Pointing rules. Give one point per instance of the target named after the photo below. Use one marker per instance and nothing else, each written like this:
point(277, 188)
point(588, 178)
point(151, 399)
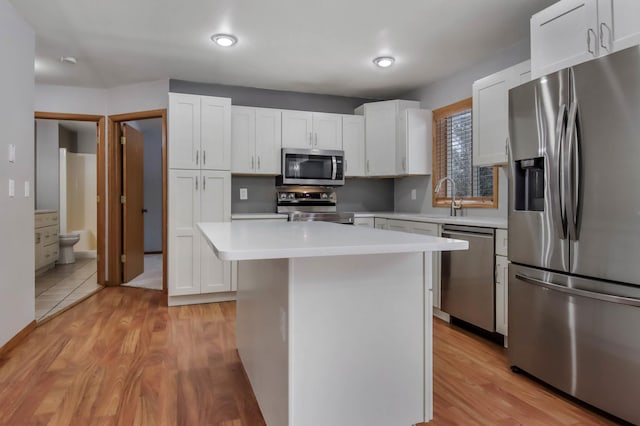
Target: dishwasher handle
point(465, 234)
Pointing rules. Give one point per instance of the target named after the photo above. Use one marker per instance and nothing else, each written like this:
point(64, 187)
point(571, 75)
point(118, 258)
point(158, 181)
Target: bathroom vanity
point(46, 239)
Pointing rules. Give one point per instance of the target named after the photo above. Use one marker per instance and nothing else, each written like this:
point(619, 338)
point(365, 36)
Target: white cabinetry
point(502, 282)
point(574, 31)
point(315, 130)
point(46, 239)
point(256, 140)
point(364, 221)
point(397, 141)
point(423, 228)
point(353, 145)
point(199, 132)
point(413, 148)
point(196, 196)
point(491, 114)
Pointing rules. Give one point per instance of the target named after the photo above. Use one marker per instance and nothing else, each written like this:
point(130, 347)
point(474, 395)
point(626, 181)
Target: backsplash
point(356, 195)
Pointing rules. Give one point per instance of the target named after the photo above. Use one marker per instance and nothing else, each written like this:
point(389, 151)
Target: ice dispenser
point(529, 184)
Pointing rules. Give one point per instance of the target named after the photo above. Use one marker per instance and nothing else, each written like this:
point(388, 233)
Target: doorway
point(69, 166)
point(140, 257)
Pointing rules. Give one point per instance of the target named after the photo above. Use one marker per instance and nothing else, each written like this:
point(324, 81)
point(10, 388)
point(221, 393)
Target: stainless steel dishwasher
point(468, 278)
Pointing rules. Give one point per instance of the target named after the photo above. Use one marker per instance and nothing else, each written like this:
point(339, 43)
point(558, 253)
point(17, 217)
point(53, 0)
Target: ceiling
point(322, 46)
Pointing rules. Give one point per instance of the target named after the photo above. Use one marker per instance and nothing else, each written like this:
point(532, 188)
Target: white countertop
point(489, 222)
point(258, 216)
point(247, 240)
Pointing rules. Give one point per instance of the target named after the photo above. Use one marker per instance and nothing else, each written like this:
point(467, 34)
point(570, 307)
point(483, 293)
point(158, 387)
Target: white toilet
point(67, 241)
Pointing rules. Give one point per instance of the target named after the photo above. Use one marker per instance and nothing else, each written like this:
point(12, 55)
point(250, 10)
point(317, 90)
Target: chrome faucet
point(455, 204)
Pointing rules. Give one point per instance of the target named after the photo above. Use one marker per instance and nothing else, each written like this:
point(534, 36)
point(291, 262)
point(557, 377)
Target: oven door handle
point(334, 163)
point(581, 293)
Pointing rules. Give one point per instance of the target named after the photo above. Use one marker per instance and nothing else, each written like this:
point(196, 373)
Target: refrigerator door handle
point(579, 292)
point(556, 181)
point(572, 171)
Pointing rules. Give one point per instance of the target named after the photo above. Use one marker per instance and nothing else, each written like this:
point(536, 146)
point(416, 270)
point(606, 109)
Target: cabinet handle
point(315, 139)
point(204, 184)
point(252, 163)
point(602, 43)
point(311, 139)
point(368, 166)
point(589, 31)
point(258, 161)
point(404, 164)
point(204, 157)
point(196, 183)
point(197, 157)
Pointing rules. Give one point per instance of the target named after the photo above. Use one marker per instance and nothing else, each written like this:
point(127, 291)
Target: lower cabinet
point(197, 196)
point(46, 239)
point(364, 221)
point(424, 228)
point(502, 282)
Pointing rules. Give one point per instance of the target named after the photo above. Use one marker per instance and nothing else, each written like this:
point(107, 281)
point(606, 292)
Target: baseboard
point(18, 338)
point(442, 315)
point(195, 299)
point(85, 254)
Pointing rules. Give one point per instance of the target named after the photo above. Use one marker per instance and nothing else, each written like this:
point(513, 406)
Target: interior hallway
point(123, 357)
point(64, 285)
point(151, 279)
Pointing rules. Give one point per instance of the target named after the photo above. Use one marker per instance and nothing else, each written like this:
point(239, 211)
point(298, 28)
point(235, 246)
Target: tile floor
point(63, 286)
point(152, 277)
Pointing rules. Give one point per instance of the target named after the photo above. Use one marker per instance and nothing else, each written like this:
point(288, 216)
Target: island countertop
point(278, 240)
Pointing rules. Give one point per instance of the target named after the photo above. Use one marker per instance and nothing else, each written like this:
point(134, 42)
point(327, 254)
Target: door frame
point(114, 157)
point(100, 153)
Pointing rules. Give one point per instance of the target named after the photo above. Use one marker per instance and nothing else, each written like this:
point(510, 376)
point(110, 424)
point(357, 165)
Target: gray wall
point(67, 139)
point(153, 188)
point(266, 98)
point(47, 191)
point(355, 195)
point(17, 284)
point(86, 141)
point(445, 92)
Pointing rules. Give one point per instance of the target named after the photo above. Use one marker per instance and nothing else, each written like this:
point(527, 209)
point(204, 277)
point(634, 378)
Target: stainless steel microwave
point(312, 167)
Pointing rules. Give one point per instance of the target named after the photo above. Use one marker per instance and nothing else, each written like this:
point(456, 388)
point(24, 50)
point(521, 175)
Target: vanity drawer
point(50, 254)
point(49, 235)
point(45, 219)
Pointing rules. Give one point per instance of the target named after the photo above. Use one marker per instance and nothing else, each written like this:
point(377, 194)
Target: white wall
point(46, 189)
point(138, 97)
point(17, 288)
point(445, 92)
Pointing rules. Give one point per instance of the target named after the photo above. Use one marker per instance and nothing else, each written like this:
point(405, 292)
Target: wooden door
point(133, 203)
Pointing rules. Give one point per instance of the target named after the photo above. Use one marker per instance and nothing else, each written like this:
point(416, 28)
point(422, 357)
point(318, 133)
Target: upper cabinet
point(256, 140)
point(314, 130)
point(491, 114)
point(392, 137)
point(574, 31)
point(199, 132)
point(413, 148)
point(353, 145)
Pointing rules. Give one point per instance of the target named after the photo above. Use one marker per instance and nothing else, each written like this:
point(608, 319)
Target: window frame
point(466, 202)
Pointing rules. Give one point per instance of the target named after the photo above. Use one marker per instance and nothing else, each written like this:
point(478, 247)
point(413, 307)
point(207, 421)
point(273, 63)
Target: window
point(453, 157)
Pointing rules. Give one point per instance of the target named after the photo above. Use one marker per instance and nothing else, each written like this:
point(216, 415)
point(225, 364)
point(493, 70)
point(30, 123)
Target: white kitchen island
point(334, 322)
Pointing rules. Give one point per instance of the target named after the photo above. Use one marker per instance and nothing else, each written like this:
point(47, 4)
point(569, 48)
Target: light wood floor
point(120, 357)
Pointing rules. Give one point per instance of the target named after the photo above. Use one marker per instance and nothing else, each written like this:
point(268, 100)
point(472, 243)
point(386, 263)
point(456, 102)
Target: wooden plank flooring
point(121, 357)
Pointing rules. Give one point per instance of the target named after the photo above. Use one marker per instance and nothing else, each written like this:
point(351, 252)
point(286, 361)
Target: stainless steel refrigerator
point(574, 231)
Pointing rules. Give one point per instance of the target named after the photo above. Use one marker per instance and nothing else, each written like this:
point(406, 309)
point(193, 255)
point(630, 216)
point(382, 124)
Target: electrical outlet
point(27, 189)
point(12, 153)
point(414, 195)
point(244, 195)
point(12, 188)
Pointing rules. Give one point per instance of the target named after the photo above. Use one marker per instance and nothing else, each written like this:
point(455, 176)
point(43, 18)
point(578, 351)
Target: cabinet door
point(297, 129)
point(562, 35)
point(502, 288)
point(380, 223)
point(268, 141)
point(243, 139)
point(215, 206)
point(520, 74)
point(184, 239)
point(353, 144)
point(380, 138)
point(491, 119)
point(215, 119)
point(618, 26)
point(184, 131)
point(327, 131)
point(413, 150)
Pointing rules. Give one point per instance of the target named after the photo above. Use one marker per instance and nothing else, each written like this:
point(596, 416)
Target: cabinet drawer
point(414, 227)
point(50, 254)
point(49, 235)
point(502, 242)
point(46, 219)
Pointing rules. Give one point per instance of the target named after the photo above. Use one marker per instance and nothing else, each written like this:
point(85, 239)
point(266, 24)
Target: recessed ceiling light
point(68, 60)
point(224, 40)
point(384, 61)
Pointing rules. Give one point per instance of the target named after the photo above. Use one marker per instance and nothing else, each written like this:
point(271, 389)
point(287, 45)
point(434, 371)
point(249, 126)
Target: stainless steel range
point(310, 203)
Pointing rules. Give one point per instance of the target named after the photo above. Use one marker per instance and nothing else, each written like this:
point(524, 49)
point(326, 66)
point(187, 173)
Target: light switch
point(12, 153)
point(413, 194)
point(27, 189)
point(244, 194)
point(12, 188)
